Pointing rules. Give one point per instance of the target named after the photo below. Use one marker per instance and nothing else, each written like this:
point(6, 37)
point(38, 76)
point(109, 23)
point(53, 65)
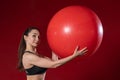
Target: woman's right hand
point(80, 52)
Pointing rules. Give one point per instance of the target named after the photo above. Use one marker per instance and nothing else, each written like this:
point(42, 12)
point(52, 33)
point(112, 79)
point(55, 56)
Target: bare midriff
point(36, 77)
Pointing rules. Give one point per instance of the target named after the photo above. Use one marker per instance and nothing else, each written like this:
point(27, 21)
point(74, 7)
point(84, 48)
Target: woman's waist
point(35, 77)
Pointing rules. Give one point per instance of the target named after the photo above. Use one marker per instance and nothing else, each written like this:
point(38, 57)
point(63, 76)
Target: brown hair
point(22, 47)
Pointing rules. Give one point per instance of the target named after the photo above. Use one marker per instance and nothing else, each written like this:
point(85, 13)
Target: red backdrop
point(16, 15)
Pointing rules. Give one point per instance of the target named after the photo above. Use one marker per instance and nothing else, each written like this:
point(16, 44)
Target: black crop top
point(35, 69)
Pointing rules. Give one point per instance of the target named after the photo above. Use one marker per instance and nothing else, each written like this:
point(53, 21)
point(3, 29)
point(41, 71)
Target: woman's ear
point(25, 37)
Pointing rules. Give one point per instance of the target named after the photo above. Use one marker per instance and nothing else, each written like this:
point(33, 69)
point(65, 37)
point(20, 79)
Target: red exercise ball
point(72, 26)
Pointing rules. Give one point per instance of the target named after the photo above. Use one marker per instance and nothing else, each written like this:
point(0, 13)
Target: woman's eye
point(34, 35)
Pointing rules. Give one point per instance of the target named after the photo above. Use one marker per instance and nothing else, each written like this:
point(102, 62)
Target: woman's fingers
point(80, 52)
point(76, 49)
point(83, 51)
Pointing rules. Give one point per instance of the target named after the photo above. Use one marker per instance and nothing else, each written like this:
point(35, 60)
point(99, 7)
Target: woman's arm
point(49, 63)
point(69, 58)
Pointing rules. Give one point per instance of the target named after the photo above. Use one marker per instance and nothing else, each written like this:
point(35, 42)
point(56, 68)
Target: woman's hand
point(54, 56)
point(80, 52)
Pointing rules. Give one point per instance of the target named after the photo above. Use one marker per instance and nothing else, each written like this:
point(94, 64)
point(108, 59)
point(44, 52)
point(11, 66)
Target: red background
point(16, 15)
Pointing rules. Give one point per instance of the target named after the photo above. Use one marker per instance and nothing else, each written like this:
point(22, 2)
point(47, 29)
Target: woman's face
point(33, 38)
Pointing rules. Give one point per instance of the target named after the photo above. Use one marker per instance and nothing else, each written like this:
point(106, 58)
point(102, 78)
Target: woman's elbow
point(55, 65)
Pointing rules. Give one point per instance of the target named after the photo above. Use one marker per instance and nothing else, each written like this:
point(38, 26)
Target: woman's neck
point(31, 49)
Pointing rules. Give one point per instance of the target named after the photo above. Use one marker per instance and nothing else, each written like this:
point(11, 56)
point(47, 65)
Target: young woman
point(33, 63)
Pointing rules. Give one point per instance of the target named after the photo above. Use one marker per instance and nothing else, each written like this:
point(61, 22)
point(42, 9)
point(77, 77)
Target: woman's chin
point(36, 45)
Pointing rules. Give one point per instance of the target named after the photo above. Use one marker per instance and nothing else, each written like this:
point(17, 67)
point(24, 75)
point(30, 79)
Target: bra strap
point(29, 52)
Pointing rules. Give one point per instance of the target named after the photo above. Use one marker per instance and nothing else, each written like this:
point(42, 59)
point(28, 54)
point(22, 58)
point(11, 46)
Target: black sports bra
point(35, 69)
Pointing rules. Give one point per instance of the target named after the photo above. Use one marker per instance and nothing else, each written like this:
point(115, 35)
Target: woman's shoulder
point(27, 55)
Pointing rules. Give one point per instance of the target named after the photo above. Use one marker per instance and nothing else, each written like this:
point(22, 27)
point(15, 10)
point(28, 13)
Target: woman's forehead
point(34, 31)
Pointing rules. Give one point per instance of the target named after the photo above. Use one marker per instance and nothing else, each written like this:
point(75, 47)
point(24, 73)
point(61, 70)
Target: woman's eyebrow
point(35, 33)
